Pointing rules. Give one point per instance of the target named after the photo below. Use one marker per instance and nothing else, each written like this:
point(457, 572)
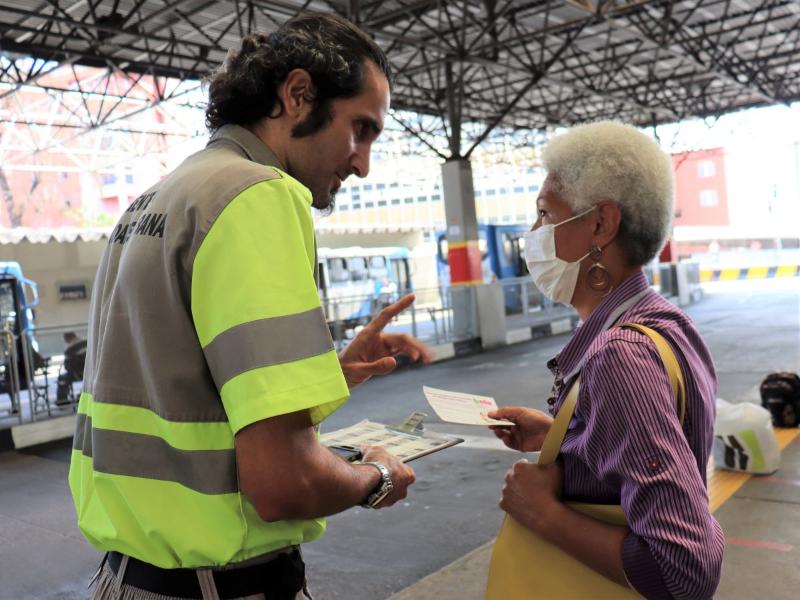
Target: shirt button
point(654, 464)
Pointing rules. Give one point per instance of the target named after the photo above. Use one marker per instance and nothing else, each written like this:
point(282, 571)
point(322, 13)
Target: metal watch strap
point(383, 489)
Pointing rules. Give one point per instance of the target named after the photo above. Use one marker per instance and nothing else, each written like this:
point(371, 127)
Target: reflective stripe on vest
point(242, 347)
point(189, 516)
point(140, 455)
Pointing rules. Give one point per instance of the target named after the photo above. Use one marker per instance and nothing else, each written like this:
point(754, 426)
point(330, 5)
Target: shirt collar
point(571, 355)
point(251, 145)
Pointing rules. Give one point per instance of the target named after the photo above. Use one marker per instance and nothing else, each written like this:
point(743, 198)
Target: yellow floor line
point(786, 271)
point(724, 484)
point(757, 272)
point(729, 274)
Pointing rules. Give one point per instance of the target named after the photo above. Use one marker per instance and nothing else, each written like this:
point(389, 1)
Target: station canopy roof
point(463, 68)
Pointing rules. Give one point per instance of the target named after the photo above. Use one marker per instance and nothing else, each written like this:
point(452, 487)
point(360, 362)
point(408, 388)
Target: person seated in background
point(604, 211)
point(74, 361)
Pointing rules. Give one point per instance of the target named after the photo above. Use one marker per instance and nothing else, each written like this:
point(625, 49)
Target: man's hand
point(287, 474)
point(531, 491)
point(373, 352)
point(527, 435)
point(402, 475)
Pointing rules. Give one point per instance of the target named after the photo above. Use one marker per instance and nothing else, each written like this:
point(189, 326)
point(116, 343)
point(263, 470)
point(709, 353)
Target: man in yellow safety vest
point(196, 465)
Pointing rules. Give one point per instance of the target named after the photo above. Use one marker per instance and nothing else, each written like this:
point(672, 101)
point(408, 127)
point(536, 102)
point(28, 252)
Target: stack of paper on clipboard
point(407, 441)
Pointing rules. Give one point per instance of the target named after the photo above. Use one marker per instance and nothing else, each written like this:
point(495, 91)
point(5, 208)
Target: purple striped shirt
point(625, 444)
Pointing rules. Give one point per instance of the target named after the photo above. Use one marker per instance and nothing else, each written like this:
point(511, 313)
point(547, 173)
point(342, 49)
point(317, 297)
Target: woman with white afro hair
point(634, 388)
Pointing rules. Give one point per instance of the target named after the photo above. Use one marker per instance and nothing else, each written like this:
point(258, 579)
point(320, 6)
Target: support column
point(463, 252)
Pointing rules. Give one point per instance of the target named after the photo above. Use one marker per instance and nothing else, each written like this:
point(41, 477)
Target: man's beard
point(326, 205)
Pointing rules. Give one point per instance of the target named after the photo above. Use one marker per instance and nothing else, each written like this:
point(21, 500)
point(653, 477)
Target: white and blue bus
point(355, 282)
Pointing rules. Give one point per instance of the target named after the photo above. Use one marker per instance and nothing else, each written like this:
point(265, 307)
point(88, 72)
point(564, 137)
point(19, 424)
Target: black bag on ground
point(780, 395)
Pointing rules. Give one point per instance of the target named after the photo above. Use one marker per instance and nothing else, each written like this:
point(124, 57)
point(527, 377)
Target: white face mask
point(555, 278)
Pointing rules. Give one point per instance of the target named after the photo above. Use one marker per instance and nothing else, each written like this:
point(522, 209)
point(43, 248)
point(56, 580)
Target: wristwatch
point(385, 486)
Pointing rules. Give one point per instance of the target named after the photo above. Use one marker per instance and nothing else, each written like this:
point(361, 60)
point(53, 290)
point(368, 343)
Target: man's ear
point(607, 221)
point(297, 93)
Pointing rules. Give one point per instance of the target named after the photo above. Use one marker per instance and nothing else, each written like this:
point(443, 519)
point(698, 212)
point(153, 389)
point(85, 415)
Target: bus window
point(443, 249)
point(377, 267)
point(8, 307)
point(322, 278)
point(401, 274)
point(514, 253)
point(483, 245)
point(358, 268)
point(337, 270)
point(509, 247)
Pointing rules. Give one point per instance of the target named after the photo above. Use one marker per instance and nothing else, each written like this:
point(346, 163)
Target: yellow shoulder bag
point(526, 567)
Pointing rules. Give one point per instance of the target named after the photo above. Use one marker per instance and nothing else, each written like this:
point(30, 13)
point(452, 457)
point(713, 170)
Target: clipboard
point(407, 440)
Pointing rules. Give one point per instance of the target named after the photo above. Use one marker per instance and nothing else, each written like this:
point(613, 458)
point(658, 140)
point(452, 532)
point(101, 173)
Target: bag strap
point(555, 436)
point(671, 364)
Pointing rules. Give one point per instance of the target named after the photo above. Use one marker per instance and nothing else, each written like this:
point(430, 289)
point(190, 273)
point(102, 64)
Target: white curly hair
point(612, 161)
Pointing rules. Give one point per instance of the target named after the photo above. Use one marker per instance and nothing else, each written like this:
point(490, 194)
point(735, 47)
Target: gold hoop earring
point(598, 276)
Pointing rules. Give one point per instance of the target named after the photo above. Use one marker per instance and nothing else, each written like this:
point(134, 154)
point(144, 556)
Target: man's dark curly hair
point(244, 89)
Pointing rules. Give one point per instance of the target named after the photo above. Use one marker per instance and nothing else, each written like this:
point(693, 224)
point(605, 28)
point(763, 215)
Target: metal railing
point(431, 317)
point(11, 374)
point(51, 337)
point(23, 369)
point(526, 306)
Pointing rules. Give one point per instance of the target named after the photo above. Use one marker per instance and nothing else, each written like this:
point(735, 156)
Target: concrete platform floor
point(751, 327)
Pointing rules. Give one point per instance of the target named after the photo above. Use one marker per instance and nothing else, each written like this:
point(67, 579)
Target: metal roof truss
point(464, 68)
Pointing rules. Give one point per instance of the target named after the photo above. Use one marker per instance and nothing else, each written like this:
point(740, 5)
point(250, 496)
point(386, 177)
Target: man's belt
point(281, 577)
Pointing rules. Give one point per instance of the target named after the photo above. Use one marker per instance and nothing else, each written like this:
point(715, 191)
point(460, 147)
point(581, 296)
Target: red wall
point(689, 185)
point(46, 200)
